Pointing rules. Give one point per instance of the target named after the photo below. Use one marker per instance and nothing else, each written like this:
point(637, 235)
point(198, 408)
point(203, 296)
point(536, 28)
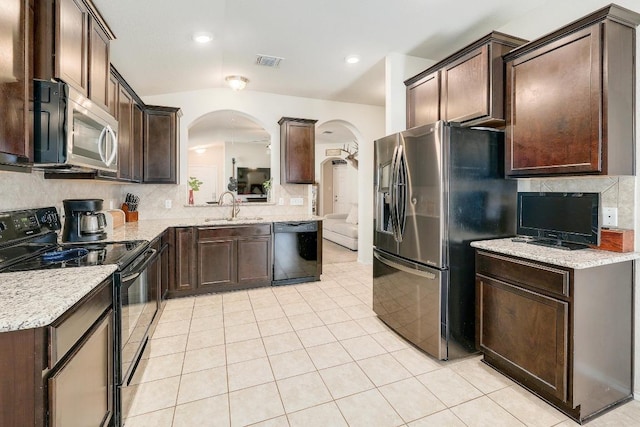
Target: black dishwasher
point(295, 254)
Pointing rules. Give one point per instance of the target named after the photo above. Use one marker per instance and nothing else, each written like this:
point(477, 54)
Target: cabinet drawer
point(68, 329)
point(236, 231)
point(529, 274)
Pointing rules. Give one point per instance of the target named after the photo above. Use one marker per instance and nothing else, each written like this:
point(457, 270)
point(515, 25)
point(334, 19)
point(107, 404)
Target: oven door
point(136, 308)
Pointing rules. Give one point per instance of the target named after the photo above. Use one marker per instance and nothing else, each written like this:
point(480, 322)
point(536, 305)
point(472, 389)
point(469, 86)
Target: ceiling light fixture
point(202, 37)
point(352, 59)
point(200, 150)
point(236, 82)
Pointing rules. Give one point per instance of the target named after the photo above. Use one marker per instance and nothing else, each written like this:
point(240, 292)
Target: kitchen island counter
point(577, 259)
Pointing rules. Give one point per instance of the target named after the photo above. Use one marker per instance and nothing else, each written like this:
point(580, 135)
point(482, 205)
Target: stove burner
point(64, 255)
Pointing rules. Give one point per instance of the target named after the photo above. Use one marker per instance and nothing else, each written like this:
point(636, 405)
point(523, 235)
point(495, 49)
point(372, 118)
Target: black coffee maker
point(83, 220)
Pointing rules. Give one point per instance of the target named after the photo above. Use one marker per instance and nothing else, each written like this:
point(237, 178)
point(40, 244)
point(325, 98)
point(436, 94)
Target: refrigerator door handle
point(401, 193)
point(392, 193)
point(405, 266)
point(395, 211)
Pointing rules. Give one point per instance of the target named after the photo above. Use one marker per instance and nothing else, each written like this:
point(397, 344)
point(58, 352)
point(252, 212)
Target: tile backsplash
point(617, 192)
point(31, 190)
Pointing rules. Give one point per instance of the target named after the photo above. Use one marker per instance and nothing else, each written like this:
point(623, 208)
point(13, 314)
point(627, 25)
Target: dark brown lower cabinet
point(234, 257)
point(80, 391)
point(184, 251)
point(218, 259)
point(515, 321)
point(565, 334)
point(61, 374)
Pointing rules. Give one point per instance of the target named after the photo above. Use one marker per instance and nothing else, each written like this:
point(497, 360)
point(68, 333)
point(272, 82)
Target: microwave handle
point(114, 151)
point(101, 144)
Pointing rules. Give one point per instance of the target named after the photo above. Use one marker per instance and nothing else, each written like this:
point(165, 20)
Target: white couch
point(336, 229)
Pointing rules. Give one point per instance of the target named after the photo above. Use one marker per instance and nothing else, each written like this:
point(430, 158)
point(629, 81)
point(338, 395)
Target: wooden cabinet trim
point(555, 280)
point(233, 231)
point(65, 331)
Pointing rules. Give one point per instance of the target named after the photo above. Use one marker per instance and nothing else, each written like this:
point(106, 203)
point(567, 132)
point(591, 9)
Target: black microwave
point(71, 131)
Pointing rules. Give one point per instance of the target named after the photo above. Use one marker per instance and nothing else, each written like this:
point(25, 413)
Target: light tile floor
point(316, 355)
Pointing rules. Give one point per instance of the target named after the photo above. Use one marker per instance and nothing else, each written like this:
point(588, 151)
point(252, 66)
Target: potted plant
point(267, 187)
point(194, 185)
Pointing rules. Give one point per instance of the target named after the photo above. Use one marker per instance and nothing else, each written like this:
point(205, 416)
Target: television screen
point(251, 180)
point(560, 218)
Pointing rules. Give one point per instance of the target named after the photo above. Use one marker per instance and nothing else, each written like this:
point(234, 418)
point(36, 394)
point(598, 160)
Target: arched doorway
point(337, 178)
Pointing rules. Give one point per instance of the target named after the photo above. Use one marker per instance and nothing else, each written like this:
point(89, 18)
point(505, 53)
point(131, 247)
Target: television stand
point(558, 244)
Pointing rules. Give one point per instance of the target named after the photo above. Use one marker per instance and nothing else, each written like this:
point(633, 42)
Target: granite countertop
point(32, 299)
point(151, 228)
point(577, 259)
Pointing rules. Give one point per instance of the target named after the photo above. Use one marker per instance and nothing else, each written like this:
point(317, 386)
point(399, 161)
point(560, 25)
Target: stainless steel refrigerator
point(438, 187)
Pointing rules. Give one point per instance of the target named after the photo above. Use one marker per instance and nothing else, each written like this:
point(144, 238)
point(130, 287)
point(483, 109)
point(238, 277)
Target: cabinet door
point(217, 263)
point(254, 260)
point(81, 390)
point(113, 88)
point(423, 101)
point(160, 155)
point(137, 136)
point(185, 257)
point(553, 107)
point(526, 333)
point(99, 66)
point(125, 125)
point(298, 152)
point(71, 63)
point(465, 87)
point(15, 80)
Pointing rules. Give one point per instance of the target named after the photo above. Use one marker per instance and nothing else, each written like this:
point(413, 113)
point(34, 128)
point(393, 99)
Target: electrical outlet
point(610, 217)
point(296, 201)
point(167, 204)
point(281, 201)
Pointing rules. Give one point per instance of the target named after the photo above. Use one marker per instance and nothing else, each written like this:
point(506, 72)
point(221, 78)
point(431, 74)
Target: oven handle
point(139, 268)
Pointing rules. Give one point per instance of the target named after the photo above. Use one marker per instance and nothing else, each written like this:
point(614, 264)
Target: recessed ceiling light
point(352, 59)
point(200, 150)
point(202, 37)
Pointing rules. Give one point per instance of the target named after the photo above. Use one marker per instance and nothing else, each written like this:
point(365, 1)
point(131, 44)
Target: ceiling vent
point(268, 61)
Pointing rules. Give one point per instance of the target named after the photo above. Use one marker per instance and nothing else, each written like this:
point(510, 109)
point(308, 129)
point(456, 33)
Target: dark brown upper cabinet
point(161, 139)
point(570, 99)
point(297, 150)
point(466, 87)
point(73, 45)
point(423, 100)
point(15, 82)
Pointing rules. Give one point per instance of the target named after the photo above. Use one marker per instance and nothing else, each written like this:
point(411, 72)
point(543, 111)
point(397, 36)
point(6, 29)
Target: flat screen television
point(563, 220)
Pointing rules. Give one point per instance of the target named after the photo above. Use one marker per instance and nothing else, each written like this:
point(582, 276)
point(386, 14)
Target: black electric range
point(28, 241)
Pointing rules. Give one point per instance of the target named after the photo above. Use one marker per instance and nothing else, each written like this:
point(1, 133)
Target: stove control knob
point(3, 226)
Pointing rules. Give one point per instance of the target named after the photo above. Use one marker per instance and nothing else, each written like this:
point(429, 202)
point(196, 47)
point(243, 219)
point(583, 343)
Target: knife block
point(130, 216)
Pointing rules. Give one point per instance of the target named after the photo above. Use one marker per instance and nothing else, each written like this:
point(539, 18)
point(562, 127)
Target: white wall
point(398, 68)
point(366, 122)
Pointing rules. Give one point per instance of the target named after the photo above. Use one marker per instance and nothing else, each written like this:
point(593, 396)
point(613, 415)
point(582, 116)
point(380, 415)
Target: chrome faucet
point(234, 208)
